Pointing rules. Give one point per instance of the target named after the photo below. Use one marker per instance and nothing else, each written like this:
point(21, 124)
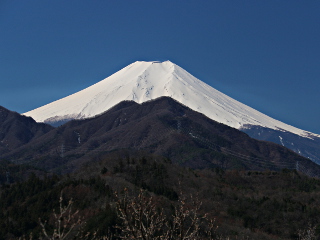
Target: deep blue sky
point(265, 54)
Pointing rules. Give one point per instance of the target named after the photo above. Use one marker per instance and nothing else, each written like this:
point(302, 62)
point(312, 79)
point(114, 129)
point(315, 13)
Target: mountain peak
point(166, 61)
point(142, 81)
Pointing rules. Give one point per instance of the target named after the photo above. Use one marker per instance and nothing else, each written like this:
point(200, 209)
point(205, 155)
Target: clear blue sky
point(265, 54)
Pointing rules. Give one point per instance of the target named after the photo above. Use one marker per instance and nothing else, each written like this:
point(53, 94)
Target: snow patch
point(281, 140)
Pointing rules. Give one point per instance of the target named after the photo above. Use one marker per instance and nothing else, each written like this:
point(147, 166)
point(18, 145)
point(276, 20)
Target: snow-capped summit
point(143, 81)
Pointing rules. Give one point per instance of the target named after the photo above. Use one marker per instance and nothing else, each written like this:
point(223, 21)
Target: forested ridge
point(241, 204)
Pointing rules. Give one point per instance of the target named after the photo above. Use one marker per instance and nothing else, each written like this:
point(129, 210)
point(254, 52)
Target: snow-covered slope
point(142, 81)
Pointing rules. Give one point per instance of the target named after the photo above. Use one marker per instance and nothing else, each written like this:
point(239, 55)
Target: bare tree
point(65, 222)
point(185, 220)
point(307, 234)
point(142, 221)
point(139, 217)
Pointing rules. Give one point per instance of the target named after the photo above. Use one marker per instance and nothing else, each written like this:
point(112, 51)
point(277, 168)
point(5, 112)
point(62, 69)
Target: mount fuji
point(144, 81)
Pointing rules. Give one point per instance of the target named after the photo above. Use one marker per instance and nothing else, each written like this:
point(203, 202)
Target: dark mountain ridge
point(162, 127)
point(17, 130)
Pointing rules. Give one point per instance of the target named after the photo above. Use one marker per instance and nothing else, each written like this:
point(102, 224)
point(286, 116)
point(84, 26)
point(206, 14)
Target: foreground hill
point(162, 127)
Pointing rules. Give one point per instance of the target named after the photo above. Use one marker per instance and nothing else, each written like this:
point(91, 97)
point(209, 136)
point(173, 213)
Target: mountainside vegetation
point(238, 204)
